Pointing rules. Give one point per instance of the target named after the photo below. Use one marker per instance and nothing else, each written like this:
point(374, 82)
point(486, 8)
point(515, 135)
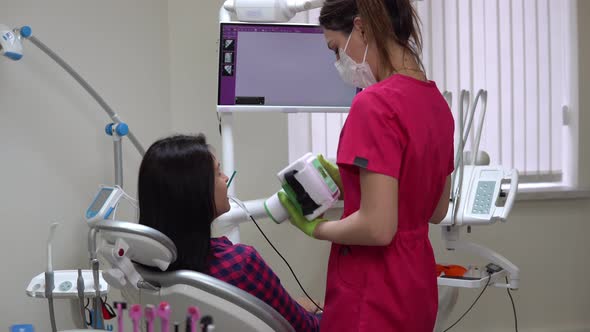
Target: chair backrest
point(231, 308)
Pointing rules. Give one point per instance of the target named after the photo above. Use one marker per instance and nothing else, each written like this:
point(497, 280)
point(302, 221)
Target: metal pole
point(232, 231)
point(118, 146)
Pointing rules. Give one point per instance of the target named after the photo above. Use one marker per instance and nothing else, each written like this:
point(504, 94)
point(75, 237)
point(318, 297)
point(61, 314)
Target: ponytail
point(387, 19)
point(383, 21)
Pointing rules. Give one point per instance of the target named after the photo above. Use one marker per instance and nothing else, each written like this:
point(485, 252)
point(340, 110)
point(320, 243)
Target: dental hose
point(80, 287)
point(97, 312)
point(49, 278)
point(49, 285)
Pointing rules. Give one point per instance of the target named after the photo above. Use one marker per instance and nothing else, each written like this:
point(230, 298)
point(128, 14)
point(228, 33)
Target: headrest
point(147, 246)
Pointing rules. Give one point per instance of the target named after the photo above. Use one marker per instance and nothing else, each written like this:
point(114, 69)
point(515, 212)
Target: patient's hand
point(308, 305)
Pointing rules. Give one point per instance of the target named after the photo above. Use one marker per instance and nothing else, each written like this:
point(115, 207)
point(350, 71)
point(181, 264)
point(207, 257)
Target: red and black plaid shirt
point(242, 266)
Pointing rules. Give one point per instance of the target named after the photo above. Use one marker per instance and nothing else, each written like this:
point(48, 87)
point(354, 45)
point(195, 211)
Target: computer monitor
point(278, 66)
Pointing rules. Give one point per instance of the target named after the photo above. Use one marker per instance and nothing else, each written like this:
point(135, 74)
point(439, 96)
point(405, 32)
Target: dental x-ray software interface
point(278, 65)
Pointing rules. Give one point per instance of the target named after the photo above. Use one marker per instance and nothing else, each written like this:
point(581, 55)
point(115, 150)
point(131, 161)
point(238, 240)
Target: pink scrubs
point(402, 128)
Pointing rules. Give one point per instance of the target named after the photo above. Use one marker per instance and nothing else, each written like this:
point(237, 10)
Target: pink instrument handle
point(120, 317)
point(135, 314)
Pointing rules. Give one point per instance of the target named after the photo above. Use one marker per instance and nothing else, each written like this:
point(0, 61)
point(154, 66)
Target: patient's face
point(221, 200)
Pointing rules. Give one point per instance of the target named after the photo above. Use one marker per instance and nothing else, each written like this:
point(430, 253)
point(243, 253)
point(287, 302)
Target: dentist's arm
point(375, 223)
point(443, 204)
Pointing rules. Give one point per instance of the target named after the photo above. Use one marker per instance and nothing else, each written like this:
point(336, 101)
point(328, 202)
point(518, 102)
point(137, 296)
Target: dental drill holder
point(66, 285)
point(308, 186)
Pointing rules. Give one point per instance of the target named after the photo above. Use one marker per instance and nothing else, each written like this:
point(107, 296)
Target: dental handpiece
point(164, 312)
point(193, 314)
point(150, 316)
point(80, 286)
point(97, 309)
point(120, 307)
point(135, 315)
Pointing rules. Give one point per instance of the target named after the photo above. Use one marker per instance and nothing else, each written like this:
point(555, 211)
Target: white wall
point(193, 74)
point(54, 151)
point(548, 240)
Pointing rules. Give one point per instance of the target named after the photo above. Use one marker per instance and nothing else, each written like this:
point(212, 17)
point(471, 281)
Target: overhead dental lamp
point(266, 10)
point(270, 11)
point(11, 45)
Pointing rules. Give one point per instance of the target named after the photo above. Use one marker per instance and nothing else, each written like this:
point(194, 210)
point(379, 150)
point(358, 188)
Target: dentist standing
point(394, 159)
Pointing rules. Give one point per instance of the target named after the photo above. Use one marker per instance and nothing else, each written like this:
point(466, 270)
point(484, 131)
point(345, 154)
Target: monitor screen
point(278, 65)
point(100, 199)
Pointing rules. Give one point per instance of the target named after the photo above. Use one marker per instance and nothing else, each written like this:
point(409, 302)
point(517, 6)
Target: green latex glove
point(297, 219)
point(333, 171)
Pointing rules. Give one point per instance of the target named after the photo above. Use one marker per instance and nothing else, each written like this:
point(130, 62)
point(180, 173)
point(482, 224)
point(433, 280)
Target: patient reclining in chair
point(181, 190)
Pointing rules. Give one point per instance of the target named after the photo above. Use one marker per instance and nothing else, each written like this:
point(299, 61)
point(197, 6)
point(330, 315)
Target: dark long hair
point(383, 20)
point(176, 192)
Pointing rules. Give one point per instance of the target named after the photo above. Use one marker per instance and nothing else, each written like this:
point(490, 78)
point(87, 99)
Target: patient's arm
point(308, 305)
point(254, 276)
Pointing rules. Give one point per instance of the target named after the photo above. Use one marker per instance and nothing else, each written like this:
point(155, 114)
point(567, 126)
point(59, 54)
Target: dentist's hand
point(296, 218)
point(332, 170)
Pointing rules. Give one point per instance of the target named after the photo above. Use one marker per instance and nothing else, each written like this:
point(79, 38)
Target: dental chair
point(139, 256)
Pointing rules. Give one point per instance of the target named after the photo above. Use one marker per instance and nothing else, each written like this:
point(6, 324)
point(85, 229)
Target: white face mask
point(357, 74)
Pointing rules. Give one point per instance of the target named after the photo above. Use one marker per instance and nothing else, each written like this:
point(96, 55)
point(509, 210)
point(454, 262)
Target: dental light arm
point(114, 116)
point(266, 10)
point(11, 47)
